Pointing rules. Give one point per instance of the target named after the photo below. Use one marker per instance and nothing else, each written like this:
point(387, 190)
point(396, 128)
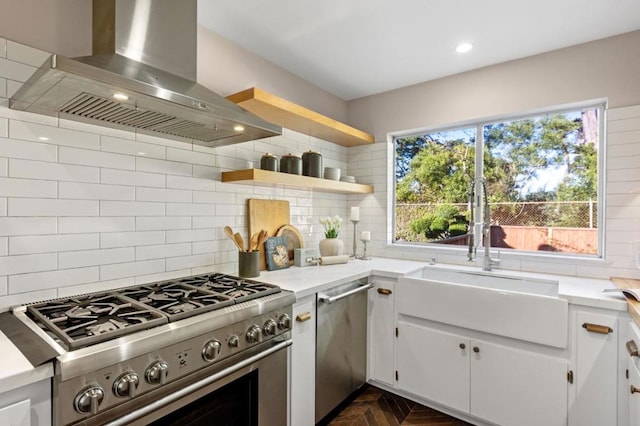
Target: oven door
point(251, 392)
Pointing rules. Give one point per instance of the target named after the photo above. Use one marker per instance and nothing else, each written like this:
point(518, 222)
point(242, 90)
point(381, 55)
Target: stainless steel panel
point(341, 347)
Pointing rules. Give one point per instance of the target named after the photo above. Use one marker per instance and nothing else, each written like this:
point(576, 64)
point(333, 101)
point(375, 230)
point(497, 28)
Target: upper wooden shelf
point(266, 177)
point(287, 114)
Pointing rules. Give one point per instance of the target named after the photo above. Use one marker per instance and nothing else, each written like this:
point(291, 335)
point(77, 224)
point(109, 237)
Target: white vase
point(331, 247)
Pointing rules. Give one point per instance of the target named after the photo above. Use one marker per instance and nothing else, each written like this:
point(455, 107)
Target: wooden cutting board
point(269, 215)
point(633, 306)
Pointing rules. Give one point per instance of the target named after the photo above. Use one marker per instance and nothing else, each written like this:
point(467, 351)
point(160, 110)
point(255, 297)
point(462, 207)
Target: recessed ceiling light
point(238, 128)
point(120, 96)
point(464, 47)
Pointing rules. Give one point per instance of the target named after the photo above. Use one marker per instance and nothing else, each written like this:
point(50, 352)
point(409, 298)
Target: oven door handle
point(136, 414)
point(323, 298)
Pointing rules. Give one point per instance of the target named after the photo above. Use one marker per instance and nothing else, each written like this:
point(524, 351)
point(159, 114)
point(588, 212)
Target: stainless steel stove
point(140, 354)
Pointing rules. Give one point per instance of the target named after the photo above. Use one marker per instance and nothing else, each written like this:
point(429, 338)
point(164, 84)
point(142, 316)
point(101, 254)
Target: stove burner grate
point(240, 289)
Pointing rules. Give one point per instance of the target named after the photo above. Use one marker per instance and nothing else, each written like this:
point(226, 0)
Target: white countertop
point(16, 371)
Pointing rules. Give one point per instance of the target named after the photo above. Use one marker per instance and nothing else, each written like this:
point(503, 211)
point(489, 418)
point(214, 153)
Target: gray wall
point(607, 68)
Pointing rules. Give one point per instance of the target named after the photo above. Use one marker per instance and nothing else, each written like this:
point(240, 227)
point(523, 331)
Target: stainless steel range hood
point(141, 76)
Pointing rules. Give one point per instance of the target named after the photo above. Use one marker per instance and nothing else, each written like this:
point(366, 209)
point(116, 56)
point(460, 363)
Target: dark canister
point(269, 162)
point(291, 163)
point(312, 164)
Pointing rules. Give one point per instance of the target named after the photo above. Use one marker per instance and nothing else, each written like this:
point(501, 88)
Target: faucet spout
point(486, 224)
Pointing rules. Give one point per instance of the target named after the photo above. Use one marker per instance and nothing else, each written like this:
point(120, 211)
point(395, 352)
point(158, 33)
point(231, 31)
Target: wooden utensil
point(229, 233)
point(262, 237)
point(253, 241)
point(239, 241)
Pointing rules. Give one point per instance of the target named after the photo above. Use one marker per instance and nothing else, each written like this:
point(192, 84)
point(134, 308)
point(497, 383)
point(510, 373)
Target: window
point(541, 174)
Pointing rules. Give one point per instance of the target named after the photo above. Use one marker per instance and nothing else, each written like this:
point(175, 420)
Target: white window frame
point(600, 104)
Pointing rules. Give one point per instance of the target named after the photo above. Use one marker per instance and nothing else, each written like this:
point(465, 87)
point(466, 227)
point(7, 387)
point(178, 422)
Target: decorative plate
point(293, 238)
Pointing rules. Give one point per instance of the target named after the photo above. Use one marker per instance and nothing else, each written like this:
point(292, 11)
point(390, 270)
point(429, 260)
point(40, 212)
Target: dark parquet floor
point(375, 407)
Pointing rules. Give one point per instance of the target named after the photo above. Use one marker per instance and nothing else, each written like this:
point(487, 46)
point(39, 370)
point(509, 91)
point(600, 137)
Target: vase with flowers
point(331, 245)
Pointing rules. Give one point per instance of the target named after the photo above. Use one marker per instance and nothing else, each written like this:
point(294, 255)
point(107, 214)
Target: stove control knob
point(269, 327)
point(126, 385)
point(234, 341)
point(89, 399)
point(211, 350)
point(284, 322)
point(253, 334)
point(157, 372)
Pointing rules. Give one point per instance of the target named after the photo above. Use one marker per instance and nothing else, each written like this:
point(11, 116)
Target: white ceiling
point(355, 48)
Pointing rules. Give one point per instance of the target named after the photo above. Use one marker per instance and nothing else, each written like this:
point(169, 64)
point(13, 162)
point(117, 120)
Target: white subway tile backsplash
point(162, 223)
point(51, 207)
point(3, 287)
point(201, 247)
point(131, 269)
point(4, 167)
point(53, 135)
point(10, 265)
point(27, 150)
point(191, 157)
point(206, 172)
point(11, 300)
point(164, 142)
point(25, 54)
point(162, 251)
point(4, 246)
point(85, 225)
point(78, 259)
point(10, 187)
point(189, 209)
point(186, 235)
point(96, 158)
point(624, 125)
point(3, 47)
point(4, 127)
point(124, 146)
point(52, 243)
point(52, 171)
point(15, 71)
point(623, 138)
point(214, 197)
point(212, 221)
point(189, 261)
point(73, 290)
point(132, 239)
point(12, 87)
point(163, 195)
point(196, 184)
point(171, 275)
point(27, 225)
point(623, 113)
point(52, 279)
point(95, 191)
point(131, 208)
point(123, 177)
point(3, 90)
point(163, 166)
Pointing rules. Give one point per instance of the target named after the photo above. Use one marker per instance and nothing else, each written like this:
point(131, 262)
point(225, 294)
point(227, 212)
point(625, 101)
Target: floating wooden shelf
point(287, 114)
point(266, 177)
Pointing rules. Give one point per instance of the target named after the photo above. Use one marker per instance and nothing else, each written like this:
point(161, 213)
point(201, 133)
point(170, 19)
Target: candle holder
point(355, 247)
point(364, 255)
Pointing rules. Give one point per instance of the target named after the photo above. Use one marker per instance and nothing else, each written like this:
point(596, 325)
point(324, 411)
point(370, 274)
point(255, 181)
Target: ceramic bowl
point(332, 173)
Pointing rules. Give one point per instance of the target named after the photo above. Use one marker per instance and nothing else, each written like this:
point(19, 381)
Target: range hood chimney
point(142, 76)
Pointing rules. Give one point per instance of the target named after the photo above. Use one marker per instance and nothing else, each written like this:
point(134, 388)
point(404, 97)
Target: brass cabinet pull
point(303, 317)
point(596, 328)
point(384, 291)
point(632, 348)
point(634, 389)
point(476, 349)
point(462, 346)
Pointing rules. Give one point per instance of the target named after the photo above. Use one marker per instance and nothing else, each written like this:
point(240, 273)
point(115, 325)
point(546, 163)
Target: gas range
point(120, 350)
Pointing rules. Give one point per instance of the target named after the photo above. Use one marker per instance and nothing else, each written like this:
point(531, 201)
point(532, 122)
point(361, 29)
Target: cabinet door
point(17, 414)
point(303, 364)
point(634, 398)
point(596, 365)
point(434, 365)
point(516, 387)
point(381, 335)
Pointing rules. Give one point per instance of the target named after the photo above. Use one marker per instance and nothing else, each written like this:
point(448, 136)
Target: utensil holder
point(249, 264)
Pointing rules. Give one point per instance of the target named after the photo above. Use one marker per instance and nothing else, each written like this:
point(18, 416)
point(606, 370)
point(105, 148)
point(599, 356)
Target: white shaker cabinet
point(632, 388)
point(593, 394)
point(303, 363)
point(28, 405)
point(381, 331)
point(493, 382)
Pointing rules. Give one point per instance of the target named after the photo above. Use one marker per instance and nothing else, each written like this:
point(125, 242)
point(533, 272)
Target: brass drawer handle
point(384, 291)
point(632, 348)
point(596, 328)
point(476, 349)
point(462, 345)
point(634, 389)
point(303, 317)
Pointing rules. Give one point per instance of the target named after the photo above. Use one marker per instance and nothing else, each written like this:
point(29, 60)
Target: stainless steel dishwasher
point(341, 343)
